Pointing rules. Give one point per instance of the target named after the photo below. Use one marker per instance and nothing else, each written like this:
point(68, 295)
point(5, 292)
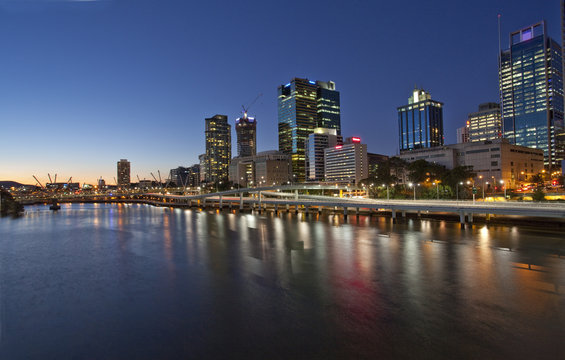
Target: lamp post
point(457, 186)
point(387, 194)
point(502, 183)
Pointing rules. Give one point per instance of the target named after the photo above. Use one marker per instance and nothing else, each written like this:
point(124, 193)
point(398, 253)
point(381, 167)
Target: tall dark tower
point(123, 174)
point(245, 128)
point(303, 106)
point(218, 148)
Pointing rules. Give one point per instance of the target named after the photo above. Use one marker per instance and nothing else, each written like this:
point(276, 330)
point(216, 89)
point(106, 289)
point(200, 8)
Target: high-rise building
point(123, 174)
point(218, 148)
point(315, 145)
point(245, 128)
point(329, 111)
point(463, 134)
point(347, 163)
point(303, 105)
point(531, 84)
point(485, 124)
point(420, 123)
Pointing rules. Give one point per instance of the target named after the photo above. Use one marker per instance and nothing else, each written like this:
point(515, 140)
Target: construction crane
point(39, 182)
point(246, 109)
point(49, 176)
point(55, 178)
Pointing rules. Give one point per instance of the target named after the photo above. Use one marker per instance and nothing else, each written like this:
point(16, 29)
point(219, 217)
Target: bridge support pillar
point(419, 214)
point(470, 218)
point(356, 211)
point(462, 219)
point(287, 208)
point(231, 205)
point(221, 202)
point(204, 203)
point(403, 213)
point(276, 209)
point(393, 216)
point(240, 201)
point(345, 212)
point(319, 210)
point(260, 202)
point(296, 208)
point(306, 209)
point(296, 194)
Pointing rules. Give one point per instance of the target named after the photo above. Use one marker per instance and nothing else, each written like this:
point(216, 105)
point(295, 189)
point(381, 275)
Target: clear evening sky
point(85, 83)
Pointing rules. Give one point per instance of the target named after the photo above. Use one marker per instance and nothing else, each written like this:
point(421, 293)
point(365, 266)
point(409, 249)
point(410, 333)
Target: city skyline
point(98, 87)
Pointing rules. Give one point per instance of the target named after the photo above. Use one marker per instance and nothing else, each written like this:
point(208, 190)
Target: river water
point(139, 282)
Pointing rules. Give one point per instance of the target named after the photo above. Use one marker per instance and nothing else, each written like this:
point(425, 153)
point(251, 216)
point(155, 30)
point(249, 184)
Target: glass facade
point(420, 123)
point(299, 110)
point(329, 114)
point(531, 85)
point(218, 149)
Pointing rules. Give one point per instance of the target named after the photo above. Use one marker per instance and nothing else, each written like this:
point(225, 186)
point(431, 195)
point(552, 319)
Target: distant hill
point(9, 184)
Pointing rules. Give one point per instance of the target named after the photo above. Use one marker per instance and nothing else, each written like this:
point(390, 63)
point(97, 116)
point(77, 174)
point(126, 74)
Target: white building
point(264, 169)
point(346, 163)
point(315, 145)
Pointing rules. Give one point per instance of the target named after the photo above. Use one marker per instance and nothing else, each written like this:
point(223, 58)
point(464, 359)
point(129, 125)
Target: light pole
point(502, 183)
point(457, 186)
point(387, 194)
point(484, 190)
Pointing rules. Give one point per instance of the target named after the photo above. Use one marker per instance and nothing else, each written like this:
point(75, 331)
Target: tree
point(457, 175)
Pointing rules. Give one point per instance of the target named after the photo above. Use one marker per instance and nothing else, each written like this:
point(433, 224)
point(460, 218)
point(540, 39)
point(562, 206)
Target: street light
point(484, 189)
point(457, 186)
point(502, 183)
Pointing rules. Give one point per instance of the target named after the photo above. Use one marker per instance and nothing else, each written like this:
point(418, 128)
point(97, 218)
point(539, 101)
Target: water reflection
point(134, 281)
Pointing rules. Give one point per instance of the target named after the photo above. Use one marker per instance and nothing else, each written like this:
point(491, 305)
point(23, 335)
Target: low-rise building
point(264, 169)
point(347, 163)
point(492, 160)
point(315, 145)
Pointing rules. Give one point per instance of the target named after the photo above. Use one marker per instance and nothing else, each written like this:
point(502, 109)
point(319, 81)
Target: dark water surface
point(139, 282)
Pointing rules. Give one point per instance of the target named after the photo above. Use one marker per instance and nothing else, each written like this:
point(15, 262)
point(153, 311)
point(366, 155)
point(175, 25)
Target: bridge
point(289, 198)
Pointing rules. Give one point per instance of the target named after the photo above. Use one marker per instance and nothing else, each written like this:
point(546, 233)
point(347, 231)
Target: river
point(105, 281)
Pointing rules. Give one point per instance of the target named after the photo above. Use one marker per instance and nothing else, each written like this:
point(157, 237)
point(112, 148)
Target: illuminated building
point(203, 167)
point(347, 163)
point(463, 134)
point(420, 123)
point(485, 124)
point(492, 160)
point(375, 162)
point(264, 169)
point(123, 174)
point(186, 176)
point(245, 128)
point(315, 145)
point(531, 85)
point(218, 148)
point(304, 105)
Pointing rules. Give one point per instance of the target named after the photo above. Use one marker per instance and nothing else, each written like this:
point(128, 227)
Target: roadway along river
point(139, 282)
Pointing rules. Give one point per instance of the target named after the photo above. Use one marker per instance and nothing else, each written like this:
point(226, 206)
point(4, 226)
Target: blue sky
point(85, 83)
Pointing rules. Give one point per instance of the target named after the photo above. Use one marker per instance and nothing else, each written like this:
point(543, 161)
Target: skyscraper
point(123, 173)
point(420, 123)
point(245, 128)
point(347, 163)
point(303, 105)
point(329, 114)
point(485, 124)
point(531, 84)
point(218, 148)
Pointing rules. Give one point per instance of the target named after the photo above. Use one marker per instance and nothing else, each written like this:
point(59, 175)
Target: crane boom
point(39, 182)
point(55, 178)
point(49, 176)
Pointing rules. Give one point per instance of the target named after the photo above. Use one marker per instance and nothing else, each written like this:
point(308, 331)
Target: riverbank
point(9, 206)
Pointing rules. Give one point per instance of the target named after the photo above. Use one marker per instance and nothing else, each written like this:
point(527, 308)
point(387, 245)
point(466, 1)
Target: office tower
point(315, 145)
point(123, 174)
point(463, 134)
point(329, 114)
point(218, 148)
point(531, 85)
point(245, 128)
point(303, 105)
point(420, 123)
point(347, 163)
point(485, 124)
